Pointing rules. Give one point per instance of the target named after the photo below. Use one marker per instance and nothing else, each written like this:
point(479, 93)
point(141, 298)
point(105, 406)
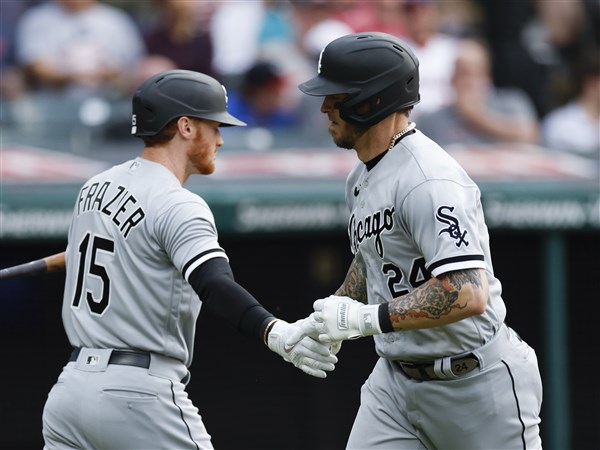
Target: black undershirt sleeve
point(214, 283)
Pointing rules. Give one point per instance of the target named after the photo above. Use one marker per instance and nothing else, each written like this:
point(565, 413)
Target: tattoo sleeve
point(434, 300)
point(355, 284)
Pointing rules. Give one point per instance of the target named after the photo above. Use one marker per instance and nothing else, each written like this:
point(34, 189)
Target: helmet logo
point(133, 124)
point(320, 58)
point(225, 92)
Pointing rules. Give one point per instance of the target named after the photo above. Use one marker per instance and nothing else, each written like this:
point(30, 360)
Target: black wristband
point(385, 323)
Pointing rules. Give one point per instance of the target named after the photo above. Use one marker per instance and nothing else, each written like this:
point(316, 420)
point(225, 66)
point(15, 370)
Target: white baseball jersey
point(135, 237)
point(417, 214)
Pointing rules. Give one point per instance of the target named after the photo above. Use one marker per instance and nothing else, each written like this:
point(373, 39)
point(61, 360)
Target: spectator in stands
point(261, 99)
point(78, 48)
point(11, 77)
point(537, 43)
point(435, 50)
point(316, 26)
point(181, 33)
point(235, 28)
point(480, 113)
point(372, 15)
point(575, 127)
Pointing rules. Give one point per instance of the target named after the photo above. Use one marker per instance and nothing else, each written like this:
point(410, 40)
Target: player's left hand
point(340, 318)
point(292, 342)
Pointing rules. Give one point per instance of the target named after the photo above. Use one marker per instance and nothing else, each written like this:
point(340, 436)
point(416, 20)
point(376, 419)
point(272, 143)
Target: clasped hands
point(312, 343)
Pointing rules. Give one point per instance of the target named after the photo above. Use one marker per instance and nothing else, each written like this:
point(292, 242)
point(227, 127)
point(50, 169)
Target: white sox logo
point(453, 228)
point(225, 92)
point(319, 64)
point(370, 226)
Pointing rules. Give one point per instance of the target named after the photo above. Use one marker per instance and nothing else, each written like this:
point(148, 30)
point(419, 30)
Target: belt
point(458, 366)
point(122, 357)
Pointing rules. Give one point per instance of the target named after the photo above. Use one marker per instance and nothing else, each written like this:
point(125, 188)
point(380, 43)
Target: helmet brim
point(227, 120)
point(320, 86)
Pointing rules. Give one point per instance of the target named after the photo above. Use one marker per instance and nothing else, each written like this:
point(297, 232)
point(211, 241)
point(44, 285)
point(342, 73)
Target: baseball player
point(142, 258)
point(451, 373)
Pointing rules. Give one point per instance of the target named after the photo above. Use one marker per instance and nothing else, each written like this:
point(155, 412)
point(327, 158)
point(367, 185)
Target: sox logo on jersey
point(453, 228)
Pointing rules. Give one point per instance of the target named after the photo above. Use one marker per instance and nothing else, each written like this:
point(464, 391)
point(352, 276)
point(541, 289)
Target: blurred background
point(511, 89)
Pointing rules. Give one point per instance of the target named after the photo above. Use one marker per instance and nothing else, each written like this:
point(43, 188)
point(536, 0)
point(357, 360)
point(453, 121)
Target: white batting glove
point(292, 342)
point(341, 318)
point(335, 347)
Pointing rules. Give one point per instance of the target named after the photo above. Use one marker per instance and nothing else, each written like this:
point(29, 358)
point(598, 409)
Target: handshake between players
point(311, 344)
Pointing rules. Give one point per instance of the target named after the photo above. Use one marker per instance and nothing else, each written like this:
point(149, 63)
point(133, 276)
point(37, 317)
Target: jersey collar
point(373, 162)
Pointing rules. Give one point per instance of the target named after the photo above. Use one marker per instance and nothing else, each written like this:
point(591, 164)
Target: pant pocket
point(131, 394)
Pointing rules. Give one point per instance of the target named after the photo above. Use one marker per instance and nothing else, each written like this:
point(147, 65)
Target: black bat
point(48, 264)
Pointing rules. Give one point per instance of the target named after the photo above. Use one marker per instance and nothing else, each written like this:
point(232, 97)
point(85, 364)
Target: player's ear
point(185, 126)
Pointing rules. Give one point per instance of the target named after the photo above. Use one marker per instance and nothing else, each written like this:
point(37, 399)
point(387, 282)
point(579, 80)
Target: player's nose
point(327, 105)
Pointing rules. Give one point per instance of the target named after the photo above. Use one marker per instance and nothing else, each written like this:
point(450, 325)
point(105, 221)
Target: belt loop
point(438, 368)
point(447, 367)
point(442, 368)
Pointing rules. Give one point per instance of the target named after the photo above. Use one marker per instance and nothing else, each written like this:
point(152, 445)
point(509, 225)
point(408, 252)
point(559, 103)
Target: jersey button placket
point(364, 185)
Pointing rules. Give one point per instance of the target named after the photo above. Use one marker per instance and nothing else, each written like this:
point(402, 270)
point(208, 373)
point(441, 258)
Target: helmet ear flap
point(379, 106)
point(361, 109)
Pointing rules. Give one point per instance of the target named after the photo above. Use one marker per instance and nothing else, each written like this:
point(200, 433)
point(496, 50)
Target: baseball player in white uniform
point(142, 258)
point(451, 373)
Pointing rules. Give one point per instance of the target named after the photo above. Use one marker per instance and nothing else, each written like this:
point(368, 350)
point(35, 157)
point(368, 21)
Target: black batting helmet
point(175, 93)
point(377, 68)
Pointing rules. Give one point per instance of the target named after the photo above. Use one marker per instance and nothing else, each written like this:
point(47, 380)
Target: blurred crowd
point(518, 71)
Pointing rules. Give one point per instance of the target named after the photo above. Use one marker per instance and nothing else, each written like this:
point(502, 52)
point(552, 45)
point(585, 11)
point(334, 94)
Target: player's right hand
point(292, 343)
point(339, 318)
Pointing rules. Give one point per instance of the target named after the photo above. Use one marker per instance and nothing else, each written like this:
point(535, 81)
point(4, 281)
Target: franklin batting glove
point(341, 318)
point(335, 347)
point(292, 343)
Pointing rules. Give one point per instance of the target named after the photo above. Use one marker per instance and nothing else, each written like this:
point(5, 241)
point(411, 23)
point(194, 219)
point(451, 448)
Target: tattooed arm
point(444, 299)
point(355, 284)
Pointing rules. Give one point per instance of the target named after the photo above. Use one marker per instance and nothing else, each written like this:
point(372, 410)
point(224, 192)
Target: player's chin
point(207, 169)
point(334, 130)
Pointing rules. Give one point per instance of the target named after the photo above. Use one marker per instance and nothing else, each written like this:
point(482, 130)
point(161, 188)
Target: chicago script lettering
point(369, 227)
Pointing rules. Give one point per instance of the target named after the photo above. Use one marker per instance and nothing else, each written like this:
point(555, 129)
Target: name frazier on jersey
point(370, 226)
point(118, 205)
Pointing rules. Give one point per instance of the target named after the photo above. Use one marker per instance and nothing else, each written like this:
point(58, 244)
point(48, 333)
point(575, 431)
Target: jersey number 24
point(418, 275)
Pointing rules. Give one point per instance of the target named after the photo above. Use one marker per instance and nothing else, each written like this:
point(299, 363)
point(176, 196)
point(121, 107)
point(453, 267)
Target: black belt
point(122, 357)
point(459, 366)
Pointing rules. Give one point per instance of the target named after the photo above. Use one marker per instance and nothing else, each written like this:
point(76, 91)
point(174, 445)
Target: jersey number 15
point(97, 306)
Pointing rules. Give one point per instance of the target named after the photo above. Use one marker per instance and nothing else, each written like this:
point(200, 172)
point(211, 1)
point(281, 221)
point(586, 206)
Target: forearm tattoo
point(355, 284)
point(434, 299)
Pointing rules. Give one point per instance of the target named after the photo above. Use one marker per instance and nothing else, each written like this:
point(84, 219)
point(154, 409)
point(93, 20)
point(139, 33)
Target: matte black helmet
point(175, 93)
point(377, 68)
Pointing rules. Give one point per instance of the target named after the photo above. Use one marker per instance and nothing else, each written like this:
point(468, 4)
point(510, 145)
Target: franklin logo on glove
point(343, 316)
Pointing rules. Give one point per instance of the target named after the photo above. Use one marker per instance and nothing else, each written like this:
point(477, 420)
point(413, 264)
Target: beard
point(349, 137)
